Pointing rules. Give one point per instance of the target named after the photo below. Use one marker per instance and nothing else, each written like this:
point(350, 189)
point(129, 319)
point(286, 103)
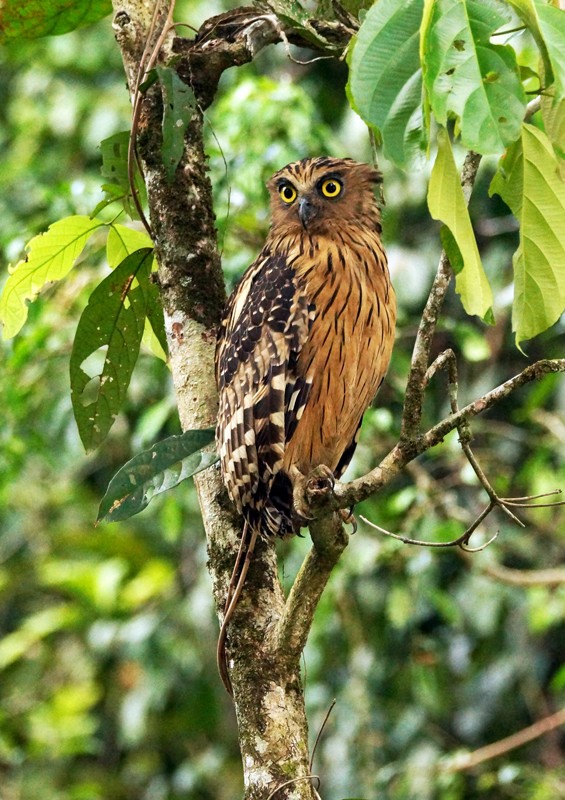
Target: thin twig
point(349, 494)
point(464, 761)
point(294, 780)
point(412, 414)
point(237, 581)
point(461, 541)
point(530, 373)
point(146, 64)
point(320, 732)
point(525, 577)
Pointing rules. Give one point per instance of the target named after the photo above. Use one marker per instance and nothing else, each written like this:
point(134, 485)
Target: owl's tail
point(277, 515)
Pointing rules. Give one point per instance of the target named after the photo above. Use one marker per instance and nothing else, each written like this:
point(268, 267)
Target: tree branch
point(414, 397)
point(525, 577)
point(347, 495)
point(329, 542)
point(464, 761)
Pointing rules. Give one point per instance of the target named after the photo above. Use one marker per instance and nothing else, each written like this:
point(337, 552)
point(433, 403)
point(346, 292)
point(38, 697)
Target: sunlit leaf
point(528, 181)
point(468, 77)
point(109, 331)
point(50, 257)
point(554, 123)
point(527, 10)
point(34, 18)
point(552, 25)
point(156, 470)
point(123, 241)
point(447, 204)
point(178, 107)
point(385, 81)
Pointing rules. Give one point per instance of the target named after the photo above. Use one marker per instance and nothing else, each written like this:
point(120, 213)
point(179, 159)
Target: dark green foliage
point(109, 330)
point(178, 107)
point(36, 18)
point(153, 471)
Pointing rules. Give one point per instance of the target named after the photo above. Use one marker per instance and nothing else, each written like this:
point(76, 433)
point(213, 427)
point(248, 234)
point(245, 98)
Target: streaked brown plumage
point(306, 339)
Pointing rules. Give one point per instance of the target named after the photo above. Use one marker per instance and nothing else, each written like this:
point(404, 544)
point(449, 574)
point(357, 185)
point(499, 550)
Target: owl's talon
point(348, 518)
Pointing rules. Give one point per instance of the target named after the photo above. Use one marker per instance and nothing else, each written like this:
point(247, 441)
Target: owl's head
point(316, 194)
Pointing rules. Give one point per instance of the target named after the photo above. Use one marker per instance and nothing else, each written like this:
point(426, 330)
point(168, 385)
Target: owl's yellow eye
point(331, 187)
point(287, 193)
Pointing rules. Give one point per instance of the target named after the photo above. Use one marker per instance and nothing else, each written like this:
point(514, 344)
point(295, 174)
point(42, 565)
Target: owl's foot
point(307, 488)
point(320, 481)
point(348, 518)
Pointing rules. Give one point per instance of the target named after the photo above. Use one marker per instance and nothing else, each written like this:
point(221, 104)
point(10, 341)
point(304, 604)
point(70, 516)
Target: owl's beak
point(306, 211)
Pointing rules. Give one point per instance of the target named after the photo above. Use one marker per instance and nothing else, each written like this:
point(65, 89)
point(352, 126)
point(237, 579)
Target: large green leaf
point(178, 107)
point(34, 18)
point(156, 470)
point(49, 258)
point(447, 203)
point(385, 81)
point(122, 242)
point(528, 181)
point(112, 321)
point(468, 77)
point(552, 26)
point(527, 10)
point(554, 123)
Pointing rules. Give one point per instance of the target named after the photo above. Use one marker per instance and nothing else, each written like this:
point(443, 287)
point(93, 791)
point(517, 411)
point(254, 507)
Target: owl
point(305, 340)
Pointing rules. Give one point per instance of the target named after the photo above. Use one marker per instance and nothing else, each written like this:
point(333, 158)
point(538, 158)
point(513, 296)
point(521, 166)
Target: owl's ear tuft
point(372, 174)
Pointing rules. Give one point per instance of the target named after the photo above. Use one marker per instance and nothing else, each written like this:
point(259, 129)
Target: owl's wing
point(266, 323)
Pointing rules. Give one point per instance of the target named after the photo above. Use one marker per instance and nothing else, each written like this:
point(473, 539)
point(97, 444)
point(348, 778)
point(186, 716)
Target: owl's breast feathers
point(304, 345)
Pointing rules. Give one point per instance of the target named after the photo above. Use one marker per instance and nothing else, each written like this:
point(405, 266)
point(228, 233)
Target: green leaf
point(178, 107)
point(156, 470)
point(113, 319)
point(114, 167)
point(529, 183)
point(156, 338)
point(295, 16)
point(527, 10)
point(468, 77)
point(447, 203)
point(34, 18)
point(50, 257)
point(552, 26)
point(554, 124)
point(385, 81)
point(123, 241)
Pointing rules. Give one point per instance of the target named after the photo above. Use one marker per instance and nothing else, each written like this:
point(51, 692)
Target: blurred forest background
point(108, 683)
